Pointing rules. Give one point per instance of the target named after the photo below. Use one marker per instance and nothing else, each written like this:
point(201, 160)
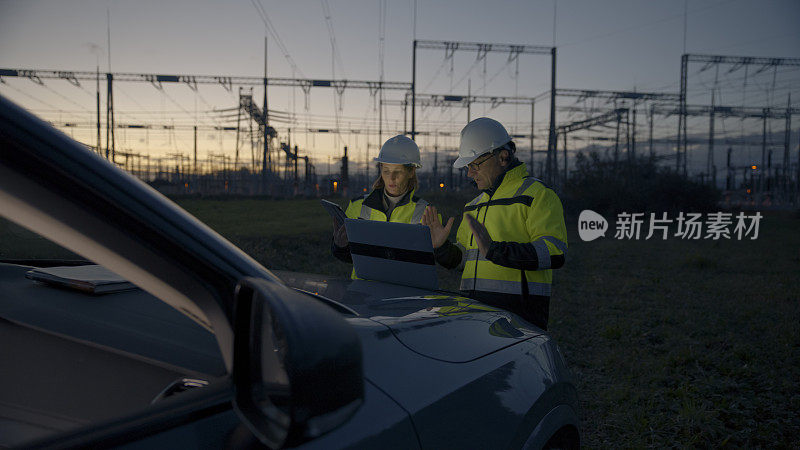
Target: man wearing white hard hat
point(513, 234)
point(392, 197)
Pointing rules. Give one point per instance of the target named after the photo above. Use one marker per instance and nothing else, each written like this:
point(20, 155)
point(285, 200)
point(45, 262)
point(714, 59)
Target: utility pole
point(110, 115)
point(565, 159)
point(616, 140)
point(110, 89)
point(99, 151)
point(469, 99)
point(252, 143)
point(554, 162)
point(797, 179)
point(633, 135)
point(436, 162)
point(787, 135)
point(652, 155)
point(728, 182)
point(295, 166)
point(345, 176)
point(763, 152)
point(769, 169)
point(405, 114)
point(450, 175)
point(413, 90)
point(266, 155)
point(681, 147)
point(238, 125)
point(533, 111)
point(710, 157)
point(744, 178)
point(195, 149)
point(628, 136)
point(551, 140)
point(380, 125)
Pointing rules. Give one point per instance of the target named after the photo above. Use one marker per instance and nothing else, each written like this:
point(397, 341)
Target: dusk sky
point(619, 45)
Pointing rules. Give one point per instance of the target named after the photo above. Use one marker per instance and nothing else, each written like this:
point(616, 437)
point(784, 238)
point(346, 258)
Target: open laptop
point(399, 253)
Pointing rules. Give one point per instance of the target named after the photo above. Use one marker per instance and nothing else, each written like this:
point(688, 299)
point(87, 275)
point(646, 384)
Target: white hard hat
point(399, 150)
point(480, 136)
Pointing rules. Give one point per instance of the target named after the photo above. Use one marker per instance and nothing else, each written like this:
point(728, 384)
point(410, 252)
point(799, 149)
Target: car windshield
point(113, 348)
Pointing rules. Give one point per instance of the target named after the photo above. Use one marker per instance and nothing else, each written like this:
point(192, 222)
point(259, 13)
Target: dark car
point(210, 349)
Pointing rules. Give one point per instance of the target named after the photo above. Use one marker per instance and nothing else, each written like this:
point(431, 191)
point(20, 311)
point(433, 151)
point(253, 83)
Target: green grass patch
point(18, 242)
point(684, 343)
point(257, 218)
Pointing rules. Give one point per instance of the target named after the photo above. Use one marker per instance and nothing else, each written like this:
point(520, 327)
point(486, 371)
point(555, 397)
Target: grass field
point(673, 343)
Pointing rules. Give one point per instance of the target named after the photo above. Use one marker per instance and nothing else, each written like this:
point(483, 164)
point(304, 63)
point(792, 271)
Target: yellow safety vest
point(522, 209)
point(408, 210)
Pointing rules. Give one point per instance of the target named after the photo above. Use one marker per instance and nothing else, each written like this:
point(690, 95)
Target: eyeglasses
point(475, 165)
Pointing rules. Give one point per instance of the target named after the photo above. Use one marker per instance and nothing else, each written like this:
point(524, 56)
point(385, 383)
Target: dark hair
point(412, 183)
point(510, 146)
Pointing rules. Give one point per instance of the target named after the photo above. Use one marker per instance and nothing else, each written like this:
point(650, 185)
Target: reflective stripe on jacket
point(408, 210)
point(521, 210)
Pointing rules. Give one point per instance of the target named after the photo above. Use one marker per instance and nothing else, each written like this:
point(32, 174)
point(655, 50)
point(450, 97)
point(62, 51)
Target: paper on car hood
point(436, 324)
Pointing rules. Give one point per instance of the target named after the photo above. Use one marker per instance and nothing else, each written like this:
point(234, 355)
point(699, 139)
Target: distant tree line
point(636, 185)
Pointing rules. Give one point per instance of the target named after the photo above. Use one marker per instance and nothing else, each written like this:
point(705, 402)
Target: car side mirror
point(297, 364)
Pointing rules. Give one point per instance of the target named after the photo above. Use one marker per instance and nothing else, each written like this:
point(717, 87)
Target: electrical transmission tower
point(482, 50)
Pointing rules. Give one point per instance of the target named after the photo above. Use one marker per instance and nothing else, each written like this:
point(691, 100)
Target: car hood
point(437, 324)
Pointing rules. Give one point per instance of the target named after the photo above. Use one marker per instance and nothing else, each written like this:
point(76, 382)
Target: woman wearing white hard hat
point(392, 197)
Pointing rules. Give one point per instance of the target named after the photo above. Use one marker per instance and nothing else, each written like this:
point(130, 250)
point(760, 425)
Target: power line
point(326, 11)
point(597, 37)
point(193, 80)
point(30, 96)
point(274, 33)
point(164, 92)
point(65, 97)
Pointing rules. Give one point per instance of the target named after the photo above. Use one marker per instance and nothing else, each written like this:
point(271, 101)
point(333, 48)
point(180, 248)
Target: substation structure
point(624, 107)
point(179, 174)
point(482, 50)
point(763, 183)
point(272, 167)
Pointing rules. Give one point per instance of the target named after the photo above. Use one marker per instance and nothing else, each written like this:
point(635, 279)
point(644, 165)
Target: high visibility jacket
point(522, 216)
point(370, 206)
point(408, 210)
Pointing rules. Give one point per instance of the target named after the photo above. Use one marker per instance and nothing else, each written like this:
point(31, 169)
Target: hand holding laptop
point(339, 234)
point(339, 231)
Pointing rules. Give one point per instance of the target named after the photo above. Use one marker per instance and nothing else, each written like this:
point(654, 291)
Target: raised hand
point(481, 234)
point(439, 233)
